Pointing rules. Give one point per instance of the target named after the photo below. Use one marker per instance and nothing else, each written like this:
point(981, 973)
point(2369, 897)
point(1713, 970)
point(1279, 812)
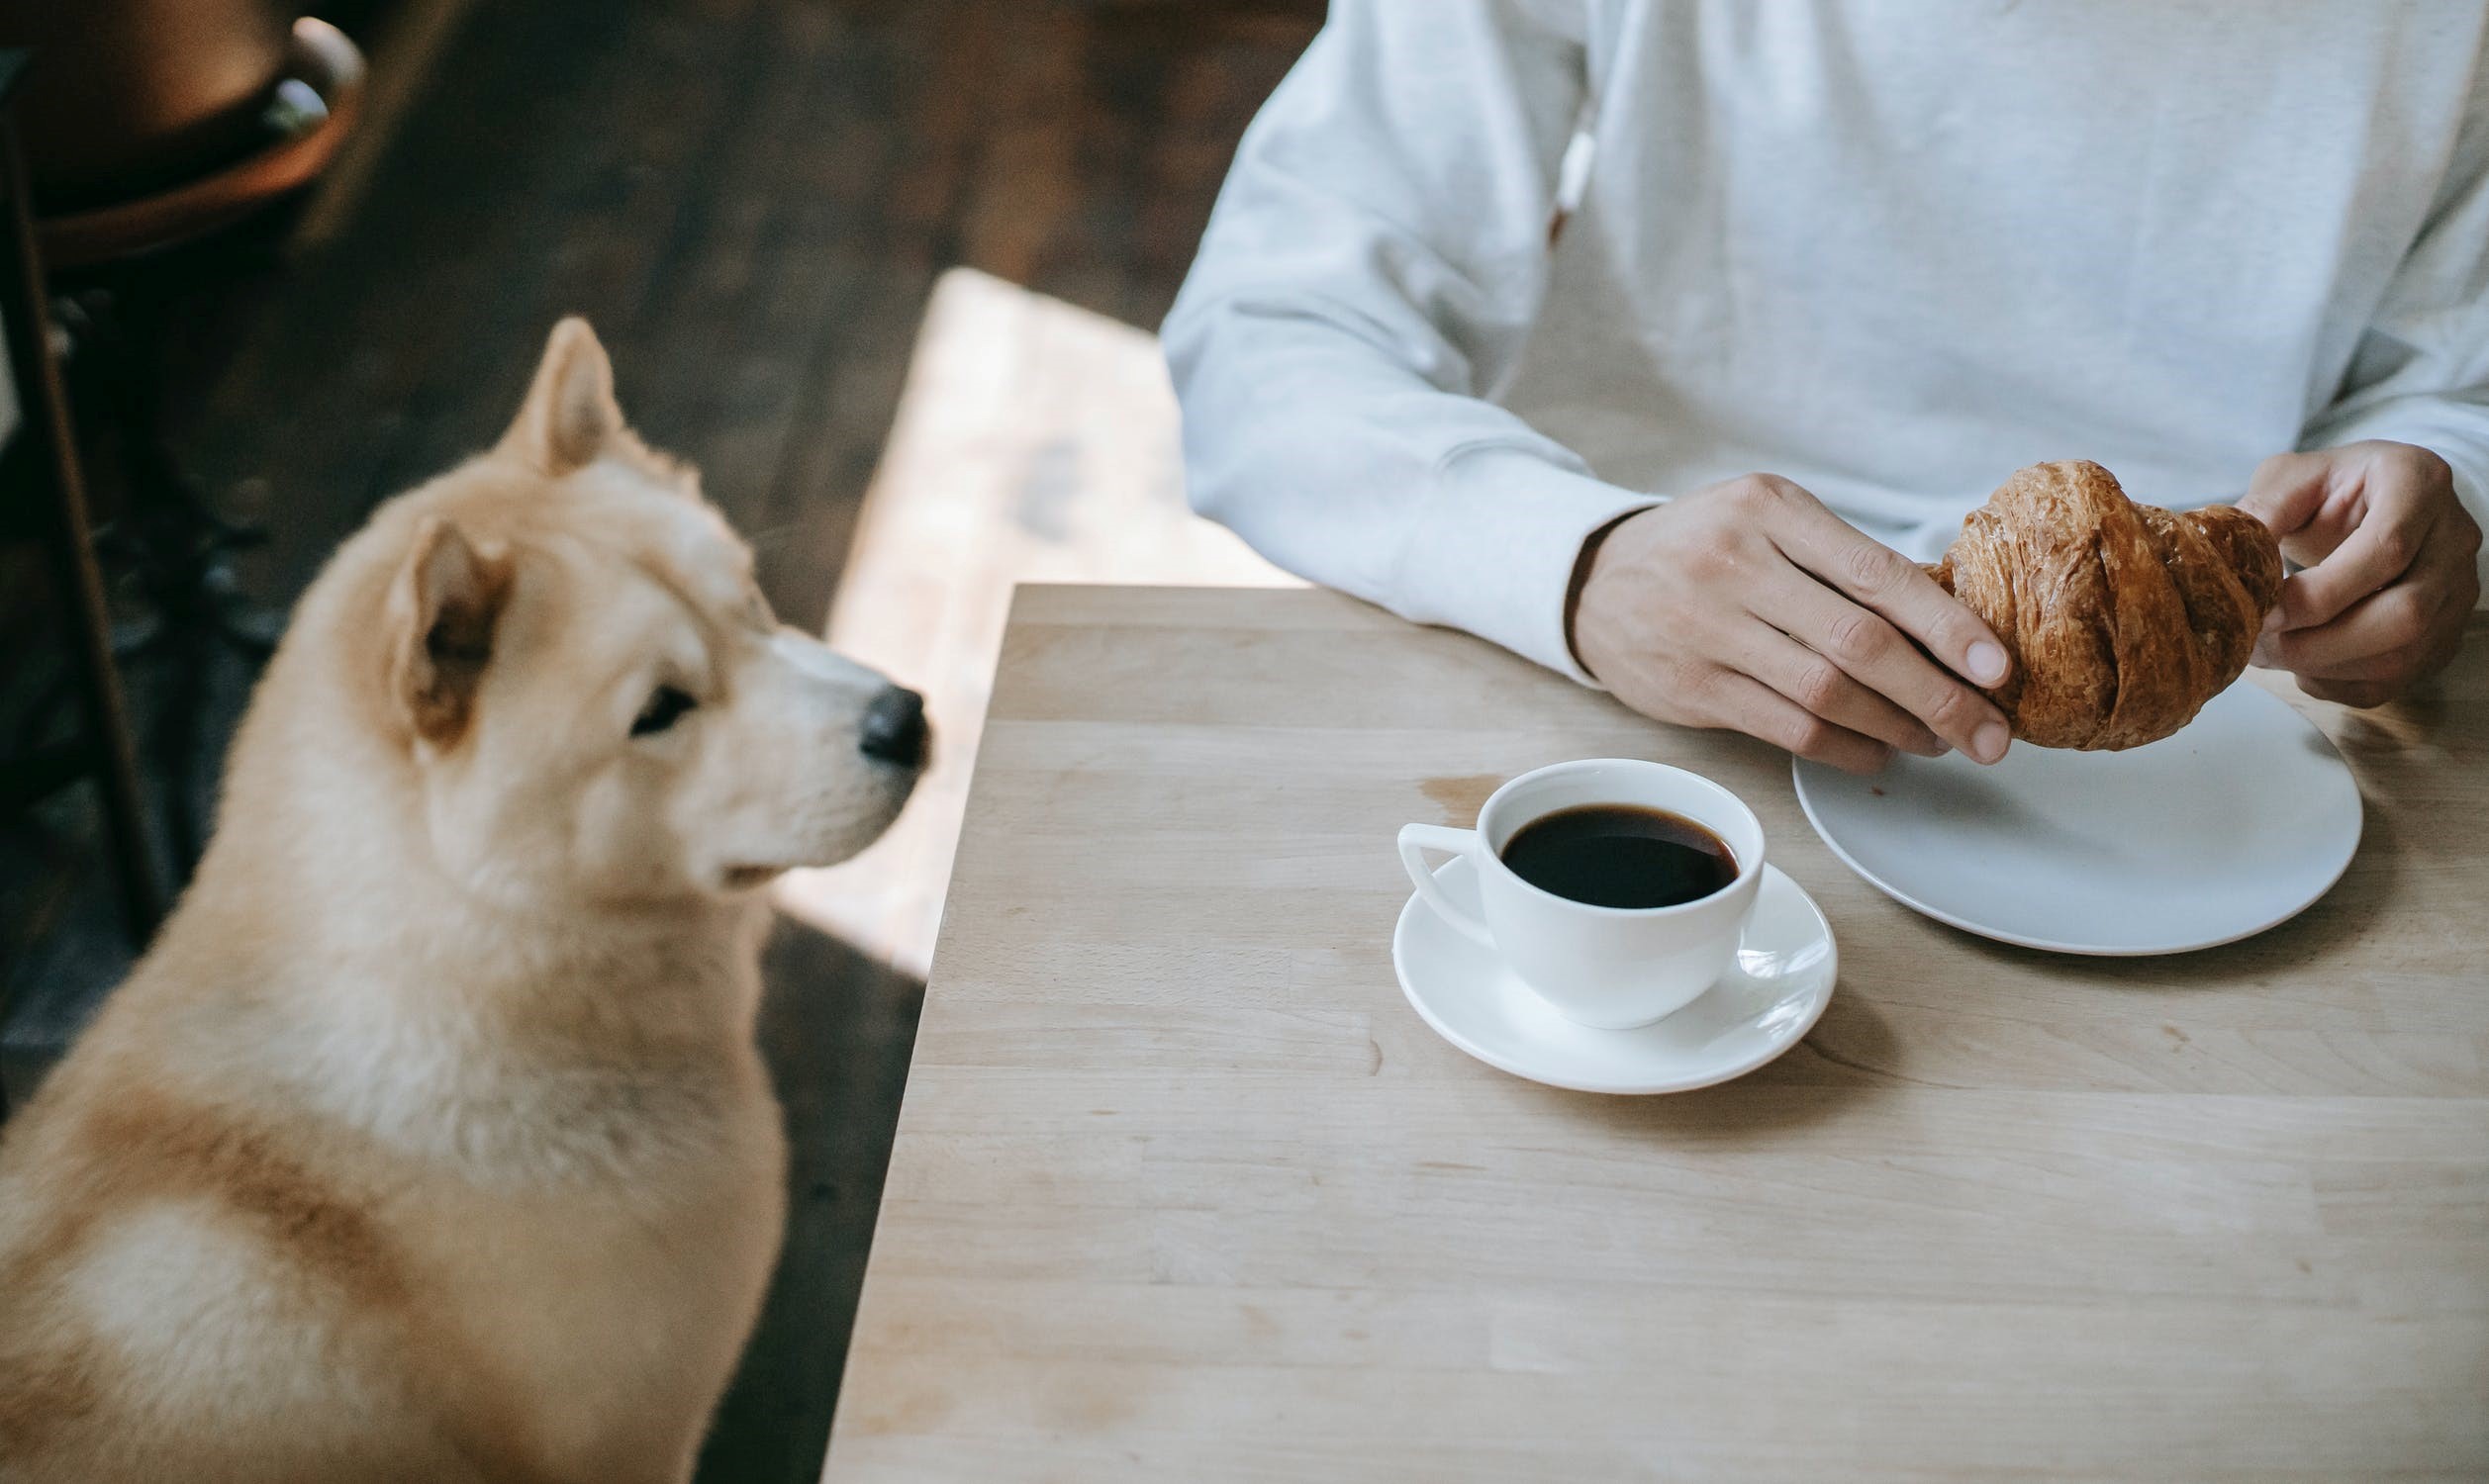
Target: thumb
point(2287, 491)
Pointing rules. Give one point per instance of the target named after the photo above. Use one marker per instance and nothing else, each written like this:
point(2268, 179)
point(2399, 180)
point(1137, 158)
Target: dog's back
point(213, 1277)
point(187, 1292)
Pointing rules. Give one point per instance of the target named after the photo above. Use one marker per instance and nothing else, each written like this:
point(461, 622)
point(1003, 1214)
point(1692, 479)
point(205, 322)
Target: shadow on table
point(836, 1028)
point(1841, 1062)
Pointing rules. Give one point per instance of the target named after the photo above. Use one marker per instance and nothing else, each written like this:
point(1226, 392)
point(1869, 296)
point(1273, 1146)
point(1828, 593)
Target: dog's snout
point(894, 727)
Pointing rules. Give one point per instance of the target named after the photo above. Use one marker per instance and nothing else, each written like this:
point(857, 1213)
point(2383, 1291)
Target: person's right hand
point(1748, 604)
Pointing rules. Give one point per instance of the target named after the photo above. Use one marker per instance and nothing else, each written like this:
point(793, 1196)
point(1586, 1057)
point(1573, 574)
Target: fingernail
point(1987, 663)
point(1987, 744)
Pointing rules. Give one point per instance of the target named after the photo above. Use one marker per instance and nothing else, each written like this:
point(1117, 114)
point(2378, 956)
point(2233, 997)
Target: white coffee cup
point(1613, 967)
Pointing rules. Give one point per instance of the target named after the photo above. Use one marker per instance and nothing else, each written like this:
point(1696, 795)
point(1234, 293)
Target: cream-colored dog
point(430, 1142)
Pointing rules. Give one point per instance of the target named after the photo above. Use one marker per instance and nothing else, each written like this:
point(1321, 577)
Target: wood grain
point(1182, 1190)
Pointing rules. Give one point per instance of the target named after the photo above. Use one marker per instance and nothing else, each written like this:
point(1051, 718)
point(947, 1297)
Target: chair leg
point(37, 374)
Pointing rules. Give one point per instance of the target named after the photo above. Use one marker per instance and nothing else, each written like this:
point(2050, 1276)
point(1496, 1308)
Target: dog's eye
point(664, 709)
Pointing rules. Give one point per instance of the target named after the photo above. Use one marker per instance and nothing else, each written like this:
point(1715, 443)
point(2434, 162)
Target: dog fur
point(429, 1141)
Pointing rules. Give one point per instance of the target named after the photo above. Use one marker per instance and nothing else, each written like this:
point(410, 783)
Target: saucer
point(1770, 998)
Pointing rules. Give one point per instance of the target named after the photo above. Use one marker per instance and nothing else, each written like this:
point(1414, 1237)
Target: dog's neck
point(340, 956)
point(324, 845)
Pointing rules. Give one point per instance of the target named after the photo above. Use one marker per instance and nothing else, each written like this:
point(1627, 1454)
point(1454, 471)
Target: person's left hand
point(2390, 578)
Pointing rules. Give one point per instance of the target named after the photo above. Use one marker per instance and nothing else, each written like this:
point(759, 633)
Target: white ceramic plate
point(1767, 1002)
point(2233, 825)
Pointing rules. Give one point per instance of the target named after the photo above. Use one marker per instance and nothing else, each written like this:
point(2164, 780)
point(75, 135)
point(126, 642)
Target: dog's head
point(592, 694)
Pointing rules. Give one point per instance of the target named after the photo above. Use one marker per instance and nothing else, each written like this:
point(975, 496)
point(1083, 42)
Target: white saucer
point(2227, 829)
point(1772, 996)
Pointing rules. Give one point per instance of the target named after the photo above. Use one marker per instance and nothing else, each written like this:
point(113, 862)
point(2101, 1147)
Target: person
point(1653, 338)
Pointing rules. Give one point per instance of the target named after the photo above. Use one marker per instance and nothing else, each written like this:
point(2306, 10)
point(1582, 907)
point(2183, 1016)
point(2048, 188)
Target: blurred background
point(887, 270)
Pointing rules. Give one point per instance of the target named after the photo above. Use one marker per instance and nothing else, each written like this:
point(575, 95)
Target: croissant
point(2122, 619)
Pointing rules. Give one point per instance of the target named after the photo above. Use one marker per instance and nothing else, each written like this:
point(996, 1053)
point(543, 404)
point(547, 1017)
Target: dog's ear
point(570, 417)
point(444, 607)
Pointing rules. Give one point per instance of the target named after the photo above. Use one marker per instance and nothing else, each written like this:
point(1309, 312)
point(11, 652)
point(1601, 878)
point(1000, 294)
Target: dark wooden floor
point(751, 199)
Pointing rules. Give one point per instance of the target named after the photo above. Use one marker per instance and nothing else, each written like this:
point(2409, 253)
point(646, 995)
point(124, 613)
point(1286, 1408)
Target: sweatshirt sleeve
point(2421, 374)
point(1369, 275)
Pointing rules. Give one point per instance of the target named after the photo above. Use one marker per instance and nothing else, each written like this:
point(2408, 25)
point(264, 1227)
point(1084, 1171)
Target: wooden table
point(1184, 1190)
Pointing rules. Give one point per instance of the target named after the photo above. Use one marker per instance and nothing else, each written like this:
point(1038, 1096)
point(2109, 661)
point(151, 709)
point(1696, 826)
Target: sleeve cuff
point(2471, 487)
point(1494, 550)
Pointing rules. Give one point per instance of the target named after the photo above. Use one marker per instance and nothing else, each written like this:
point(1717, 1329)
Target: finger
point(1884, 580)
point(1874, 653)
point(1826, 689)
point(1755, 708)
point(2405, 616)
point(2400, 667)
point(2287, 490)
point(2393, 667)
point(2390, 537)
point(2360, 694)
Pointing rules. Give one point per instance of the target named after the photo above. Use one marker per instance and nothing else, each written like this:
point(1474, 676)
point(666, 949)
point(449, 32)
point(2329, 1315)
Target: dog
point(429, 1141)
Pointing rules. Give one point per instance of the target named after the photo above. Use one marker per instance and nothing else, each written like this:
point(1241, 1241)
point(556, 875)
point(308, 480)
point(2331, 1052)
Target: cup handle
point(1415, 841)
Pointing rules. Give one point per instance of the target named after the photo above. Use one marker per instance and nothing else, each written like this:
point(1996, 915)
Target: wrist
point(1584, 565)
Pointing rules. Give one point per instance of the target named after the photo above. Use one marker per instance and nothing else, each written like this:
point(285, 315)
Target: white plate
point(1782, 980)
point(2233, 825)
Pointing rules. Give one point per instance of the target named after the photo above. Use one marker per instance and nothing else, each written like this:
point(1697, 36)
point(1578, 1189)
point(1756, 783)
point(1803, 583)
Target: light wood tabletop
point(1184, 1190)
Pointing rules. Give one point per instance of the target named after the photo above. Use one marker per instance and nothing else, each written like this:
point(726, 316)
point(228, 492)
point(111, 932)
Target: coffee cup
point(1610, 966)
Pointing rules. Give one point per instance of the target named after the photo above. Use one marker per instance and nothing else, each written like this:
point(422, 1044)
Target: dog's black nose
point(894, 727)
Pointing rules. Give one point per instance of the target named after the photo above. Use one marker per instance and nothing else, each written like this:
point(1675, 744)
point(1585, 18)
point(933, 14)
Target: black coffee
point(1620, 856)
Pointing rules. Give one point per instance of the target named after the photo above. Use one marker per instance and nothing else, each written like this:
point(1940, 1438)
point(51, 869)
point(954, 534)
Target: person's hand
point(2390, 576)
point(1749, 605)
